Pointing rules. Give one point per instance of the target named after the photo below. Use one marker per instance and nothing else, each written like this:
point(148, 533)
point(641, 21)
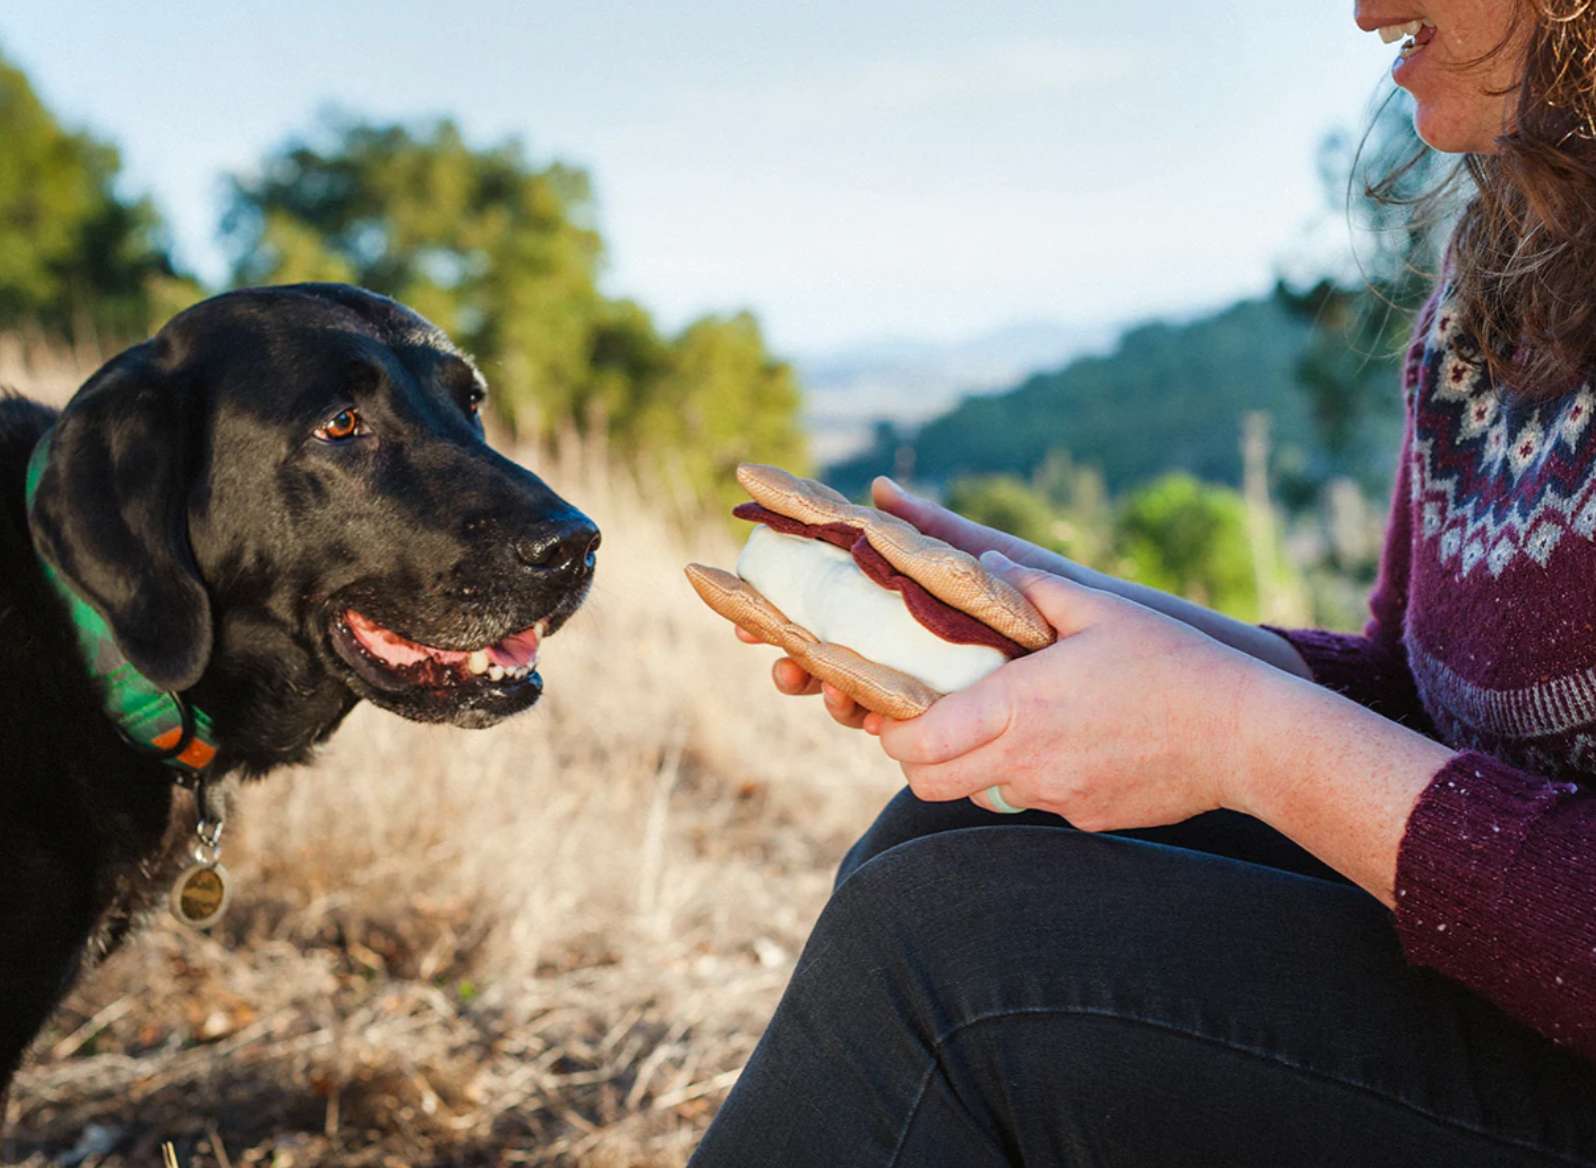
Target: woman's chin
point(1443, 131)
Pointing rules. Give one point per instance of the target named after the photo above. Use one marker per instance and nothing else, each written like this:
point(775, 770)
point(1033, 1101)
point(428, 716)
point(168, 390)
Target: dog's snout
point(565, 549)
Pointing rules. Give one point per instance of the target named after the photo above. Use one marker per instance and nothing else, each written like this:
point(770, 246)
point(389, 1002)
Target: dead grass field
point(554, 942)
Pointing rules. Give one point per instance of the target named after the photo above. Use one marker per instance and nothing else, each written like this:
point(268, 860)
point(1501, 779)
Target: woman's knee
point(906, 818)
point(955, 907)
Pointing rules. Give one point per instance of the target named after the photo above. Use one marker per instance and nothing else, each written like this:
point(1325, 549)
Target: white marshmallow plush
point(821, 588)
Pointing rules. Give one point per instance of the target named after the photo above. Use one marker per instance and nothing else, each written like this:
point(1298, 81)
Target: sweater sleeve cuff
point(1371, 673)
point(1449, 876)
point(1493, 888)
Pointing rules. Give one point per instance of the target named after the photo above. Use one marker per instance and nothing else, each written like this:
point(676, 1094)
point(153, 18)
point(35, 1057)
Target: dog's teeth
point(541, 629)
point(478, 662)
point(496, 672)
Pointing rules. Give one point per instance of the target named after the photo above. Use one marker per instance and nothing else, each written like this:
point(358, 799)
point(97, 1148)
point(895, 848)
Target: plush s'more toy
point(889, 615)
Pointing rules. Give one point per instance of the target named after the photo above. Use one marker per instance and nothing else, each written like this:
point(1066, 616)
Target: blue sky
point(849, 169)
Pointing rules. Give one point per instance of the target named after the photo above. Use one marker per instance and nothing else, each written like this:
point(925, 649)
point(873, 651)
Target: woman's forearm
point(1335, 777)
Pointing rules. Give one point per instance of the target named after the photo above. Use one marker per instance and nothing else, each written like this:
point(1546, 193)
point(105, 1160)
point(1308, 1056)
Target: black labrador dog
point(279, 505)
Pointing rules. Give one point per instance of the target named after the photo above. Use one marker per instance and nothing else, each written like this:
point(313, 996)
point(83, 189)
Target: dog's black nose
point(564, 548)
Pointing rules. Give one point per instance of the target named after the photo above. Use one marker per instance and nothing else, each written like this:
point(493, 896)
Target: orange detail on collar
point(198, 754)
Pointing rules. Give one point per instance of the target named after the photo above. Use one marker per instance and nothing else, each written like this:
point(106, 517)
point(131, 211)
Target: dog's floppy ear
point(111, 514)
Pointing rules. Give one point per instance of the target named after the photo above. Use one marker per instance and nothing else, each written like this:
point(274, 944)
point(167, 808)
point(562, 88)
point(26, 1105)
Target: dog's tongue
point(391, 647)
point(516, 650)
point(513, 652)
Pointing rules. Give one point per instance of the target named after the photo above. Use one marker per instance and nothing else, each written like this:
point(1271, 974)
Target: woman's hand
point(1135, 718)
point(1131, 720)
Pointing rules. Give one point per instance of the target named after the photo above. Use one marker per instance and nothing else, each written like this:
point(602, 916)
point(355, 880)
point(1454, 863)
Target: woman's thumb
point(1057, 599)
point(895, 500)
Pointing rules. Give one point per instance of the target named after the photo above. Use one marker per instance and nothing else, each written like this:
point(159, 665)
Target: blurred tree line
point(499, 251)
point(1133, 463)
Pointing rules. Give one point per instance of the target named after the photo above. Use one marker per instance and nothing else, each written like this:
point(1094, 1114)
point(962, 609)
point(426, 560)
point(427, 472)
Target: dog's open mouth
point(394, 662)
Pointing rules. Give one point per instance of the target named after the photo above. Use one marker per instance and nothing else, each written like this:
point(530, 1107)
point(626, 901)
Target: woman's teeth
point(1395, 32)
point(1410, 30)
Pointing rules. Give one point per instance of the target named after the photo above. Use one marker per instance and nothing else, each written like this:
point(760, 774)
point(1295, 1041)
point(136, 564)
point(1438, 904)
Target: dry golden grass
point(48, 371)
point(554, 942)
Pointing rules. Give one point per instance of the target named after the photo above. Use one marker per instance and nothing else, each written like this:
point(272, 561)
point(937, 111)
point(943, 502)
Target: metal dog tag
point(201, 894)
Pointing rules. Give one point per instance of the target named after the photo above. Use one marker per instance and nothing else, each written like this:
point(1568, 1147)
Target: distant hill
point(848, 391)
point(1170, 396)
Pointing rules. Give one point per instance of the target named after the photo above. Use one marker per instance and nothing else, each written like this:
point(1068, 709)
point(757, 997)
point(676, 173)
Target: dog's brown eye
point(344, 424)
point(474, 403)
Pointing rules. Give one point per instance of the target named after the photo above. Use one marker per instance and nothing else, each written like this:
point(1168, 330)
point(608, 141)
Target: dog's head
point(283, 502)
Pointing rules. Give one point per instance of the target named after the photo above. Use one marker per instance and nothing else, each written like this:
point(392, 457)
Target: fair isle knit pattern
point(1483, 635)
point(1505, 496)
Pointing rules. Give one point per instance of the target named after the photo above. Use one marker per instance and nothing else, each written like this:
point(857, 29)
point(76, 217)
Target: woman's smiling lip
point(1373, 23)
point(1408, 56)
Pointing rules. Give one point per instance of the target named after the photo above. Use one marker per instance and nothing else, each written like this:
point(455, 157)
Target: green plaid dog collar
point(150, 719)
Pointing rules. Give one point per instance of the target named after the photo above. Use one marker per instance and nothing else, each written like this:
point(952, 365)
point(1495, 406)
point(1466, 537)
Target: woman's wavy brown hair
point(1522, 258)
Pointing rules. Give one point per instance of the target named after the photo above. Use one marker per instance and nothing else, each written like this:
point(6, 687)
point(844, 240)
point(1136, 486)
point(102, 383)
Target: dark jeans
point(986, 990)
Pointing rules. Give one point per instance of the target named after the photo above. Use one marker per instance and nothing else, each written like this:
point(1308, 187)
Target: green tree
point(496, 251)
point(627, 360)
point(720, 399)
point(1066, 511)
point(503, 255)
point(1077, 491)
point(1184, 536)
point(1170, 397)
point(1007, 503)
point(73, 253)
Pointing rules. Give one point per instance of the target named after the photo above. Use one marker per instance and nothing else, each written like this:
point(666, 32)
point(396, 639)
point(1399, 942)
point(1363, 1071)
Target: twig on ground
point(84, 1034)
point(721, 1082)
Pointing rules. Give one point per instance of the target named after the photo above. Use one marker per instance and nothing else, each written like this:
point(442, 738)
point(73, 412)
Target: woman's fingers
point(843, 708)
point(955, 726)
point(793, 679)
point(965, 777)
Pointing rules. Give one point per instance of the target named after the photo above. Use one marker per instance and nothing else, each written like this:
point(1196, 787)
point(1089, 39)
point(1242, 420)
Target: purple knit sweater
point(1483, 635)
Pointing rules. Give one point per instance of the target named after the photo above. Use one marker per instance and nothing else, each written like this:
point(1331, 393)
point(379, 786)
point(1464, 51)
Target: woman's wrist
point(1332, 775)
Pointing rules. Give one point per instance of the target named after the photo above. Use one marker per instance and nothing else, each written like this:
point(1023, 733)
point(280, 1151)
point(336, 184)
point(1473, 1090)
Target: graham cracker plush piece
point(873, 686)
point(952, 576)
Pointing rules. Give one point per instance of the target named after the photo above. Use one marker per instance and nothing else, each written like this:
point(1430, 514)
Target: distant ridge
point(908, 382)
point(1168, 397)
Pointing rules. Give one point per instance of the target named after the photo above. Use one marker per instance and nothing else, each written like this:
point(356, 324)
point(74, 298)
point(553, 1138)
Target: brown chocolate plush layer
point(940, 618)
